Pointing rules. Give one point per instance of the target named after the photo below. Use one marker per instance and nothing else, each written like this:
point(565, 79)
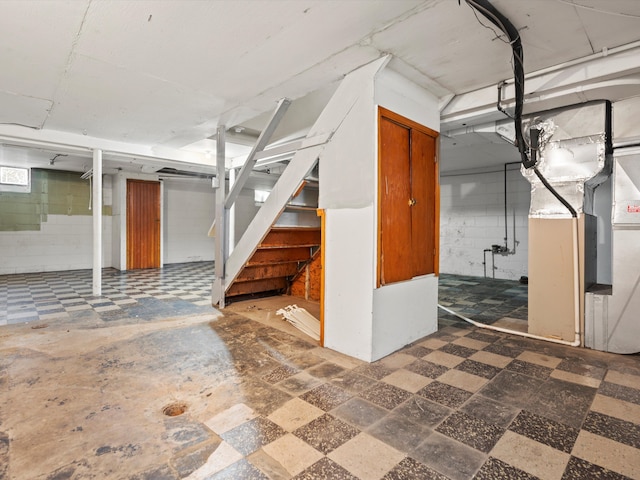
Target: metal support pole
point(221, 227)
point(97, 222)
point(232, 215)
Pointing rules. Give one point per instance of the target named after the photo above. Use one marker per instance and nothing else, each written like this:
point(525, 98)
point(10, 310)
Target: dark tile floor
point(484, 300)
point(459, 404)
point(462, 403)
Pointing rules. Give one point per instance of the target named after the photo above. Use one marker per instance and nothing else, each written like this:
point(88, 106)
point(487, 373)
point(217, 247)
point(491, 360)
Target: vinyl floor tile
point(616, 408)
point(613, 428)
point(608, 454)
point(490, 411)
point(530, 456)
point(478, 369)
point(579, 468)
point(449, 457)
point(359, 413)
point(444, 394)
point(406, 380)
point(326, 433)
point(399, 431)
point(366, 457)
point(325, 469)
point(423, 411)
point(410, 469)
point(385, 395)
point(551, 433)
point(494, 469)
point(326, 396)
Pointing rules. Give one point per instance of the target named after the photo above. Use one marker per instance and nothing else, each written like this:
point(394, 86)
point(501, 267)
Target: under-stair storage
point(283, 253)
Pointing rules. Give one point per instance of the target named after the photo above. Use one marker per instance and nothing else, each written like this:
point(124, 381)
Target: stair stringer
point(299, 167)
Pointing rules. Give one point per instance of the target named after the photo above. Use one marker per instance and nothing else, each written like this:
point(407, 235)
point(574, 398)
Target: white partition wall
point(360, 319)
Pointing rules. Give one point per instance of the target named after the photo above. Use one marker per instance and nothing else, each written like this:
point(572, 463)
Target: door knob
point(412, 202)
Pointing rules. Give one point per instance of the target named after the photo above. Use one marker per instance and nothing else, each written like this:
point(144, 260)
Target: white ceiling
point(166, 73)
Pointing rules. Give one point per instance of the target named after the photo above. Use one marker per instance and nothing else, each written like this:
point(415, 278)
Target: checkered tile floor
point(462, 403)
point(485, 300)
point(176, 289)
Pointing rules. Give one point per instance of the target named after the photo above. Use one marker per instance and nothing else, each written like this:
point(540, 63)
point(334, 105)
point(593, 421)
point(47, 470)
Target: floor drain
point(174, 409)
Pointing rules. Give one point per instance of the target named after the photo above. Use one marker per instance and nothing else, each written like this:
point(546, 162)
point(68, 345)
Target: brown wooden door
point(408, 199)
point(143, 224)
point(423, 211)
point(395, 211)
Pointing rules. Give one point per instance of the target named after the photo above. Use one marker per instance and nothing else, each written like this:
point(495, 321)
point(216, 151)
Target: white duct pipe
point(605, 52)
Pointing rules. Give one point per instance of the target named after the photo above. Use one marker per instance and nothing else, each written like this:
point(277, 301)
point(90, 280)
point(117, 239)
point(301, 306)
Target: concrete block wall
point(64, 242)
point(57, 234)
point(472, 219)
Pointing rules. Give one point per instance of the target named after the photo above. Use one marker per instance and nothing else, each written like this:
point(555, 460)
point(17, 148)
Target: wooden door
point(423, 211)
point(143, 224)
point(408, 199)
point(395, 211)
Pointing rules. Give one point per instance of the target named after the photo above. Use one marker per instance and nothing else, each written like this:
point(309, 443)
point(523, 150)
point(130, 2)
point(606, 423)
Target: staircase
point(283, 253)
point(271, 252)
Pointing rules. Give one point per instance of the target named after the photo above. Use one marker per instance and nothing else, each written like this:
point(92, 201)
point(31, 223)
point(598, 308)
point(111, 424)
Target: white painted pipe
point(576, 284)
point(506, 330)
point(97, 222)
point(605, 52)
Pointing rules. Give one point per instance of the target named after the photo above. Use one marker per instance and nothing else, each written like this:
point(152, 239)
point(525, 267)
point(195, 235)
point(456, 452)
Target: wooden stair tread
point(257, 286)
point(279, 245)
point(276, 260)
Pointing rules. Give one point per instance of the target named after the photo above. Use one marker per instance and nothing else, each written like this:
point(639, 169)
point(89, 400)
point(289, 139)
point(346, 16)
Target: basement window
point(15, 179)
point(260, 196)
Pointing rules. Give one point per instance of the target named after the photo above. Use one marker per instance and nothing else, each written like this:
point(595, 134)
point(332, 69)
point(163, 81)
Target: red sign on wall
point(633, 208)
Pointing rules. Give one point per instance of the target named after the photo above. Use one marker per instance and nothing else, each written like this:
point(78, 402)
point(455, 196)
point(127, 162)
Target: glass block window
point(14, 176)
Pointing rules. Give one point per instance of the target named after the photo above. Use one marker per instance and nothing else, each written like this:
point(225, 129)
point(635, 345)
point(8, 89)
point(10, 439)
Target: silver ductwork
point(571, 152)
point(573, 156)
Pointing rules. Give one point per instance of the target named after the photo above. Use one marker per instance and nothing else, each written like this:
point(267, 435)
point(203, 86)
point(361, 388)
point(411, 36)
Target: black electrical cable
point(544, 181)
point(503, 23)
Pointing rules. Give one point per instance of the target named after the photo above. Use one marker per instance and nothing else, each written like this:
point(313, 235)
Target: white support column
point(97, 222)
point(221, 227)
point(232, 215)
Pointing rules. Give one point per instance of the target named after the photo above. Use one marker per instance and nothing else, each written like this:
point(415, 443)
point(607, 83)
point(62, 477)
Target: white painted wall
point(358, 318)
point(188, 213)
point(472, 219)
point(404, 311)
point(349, 272)
point(64, 242)
point(347, 194)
